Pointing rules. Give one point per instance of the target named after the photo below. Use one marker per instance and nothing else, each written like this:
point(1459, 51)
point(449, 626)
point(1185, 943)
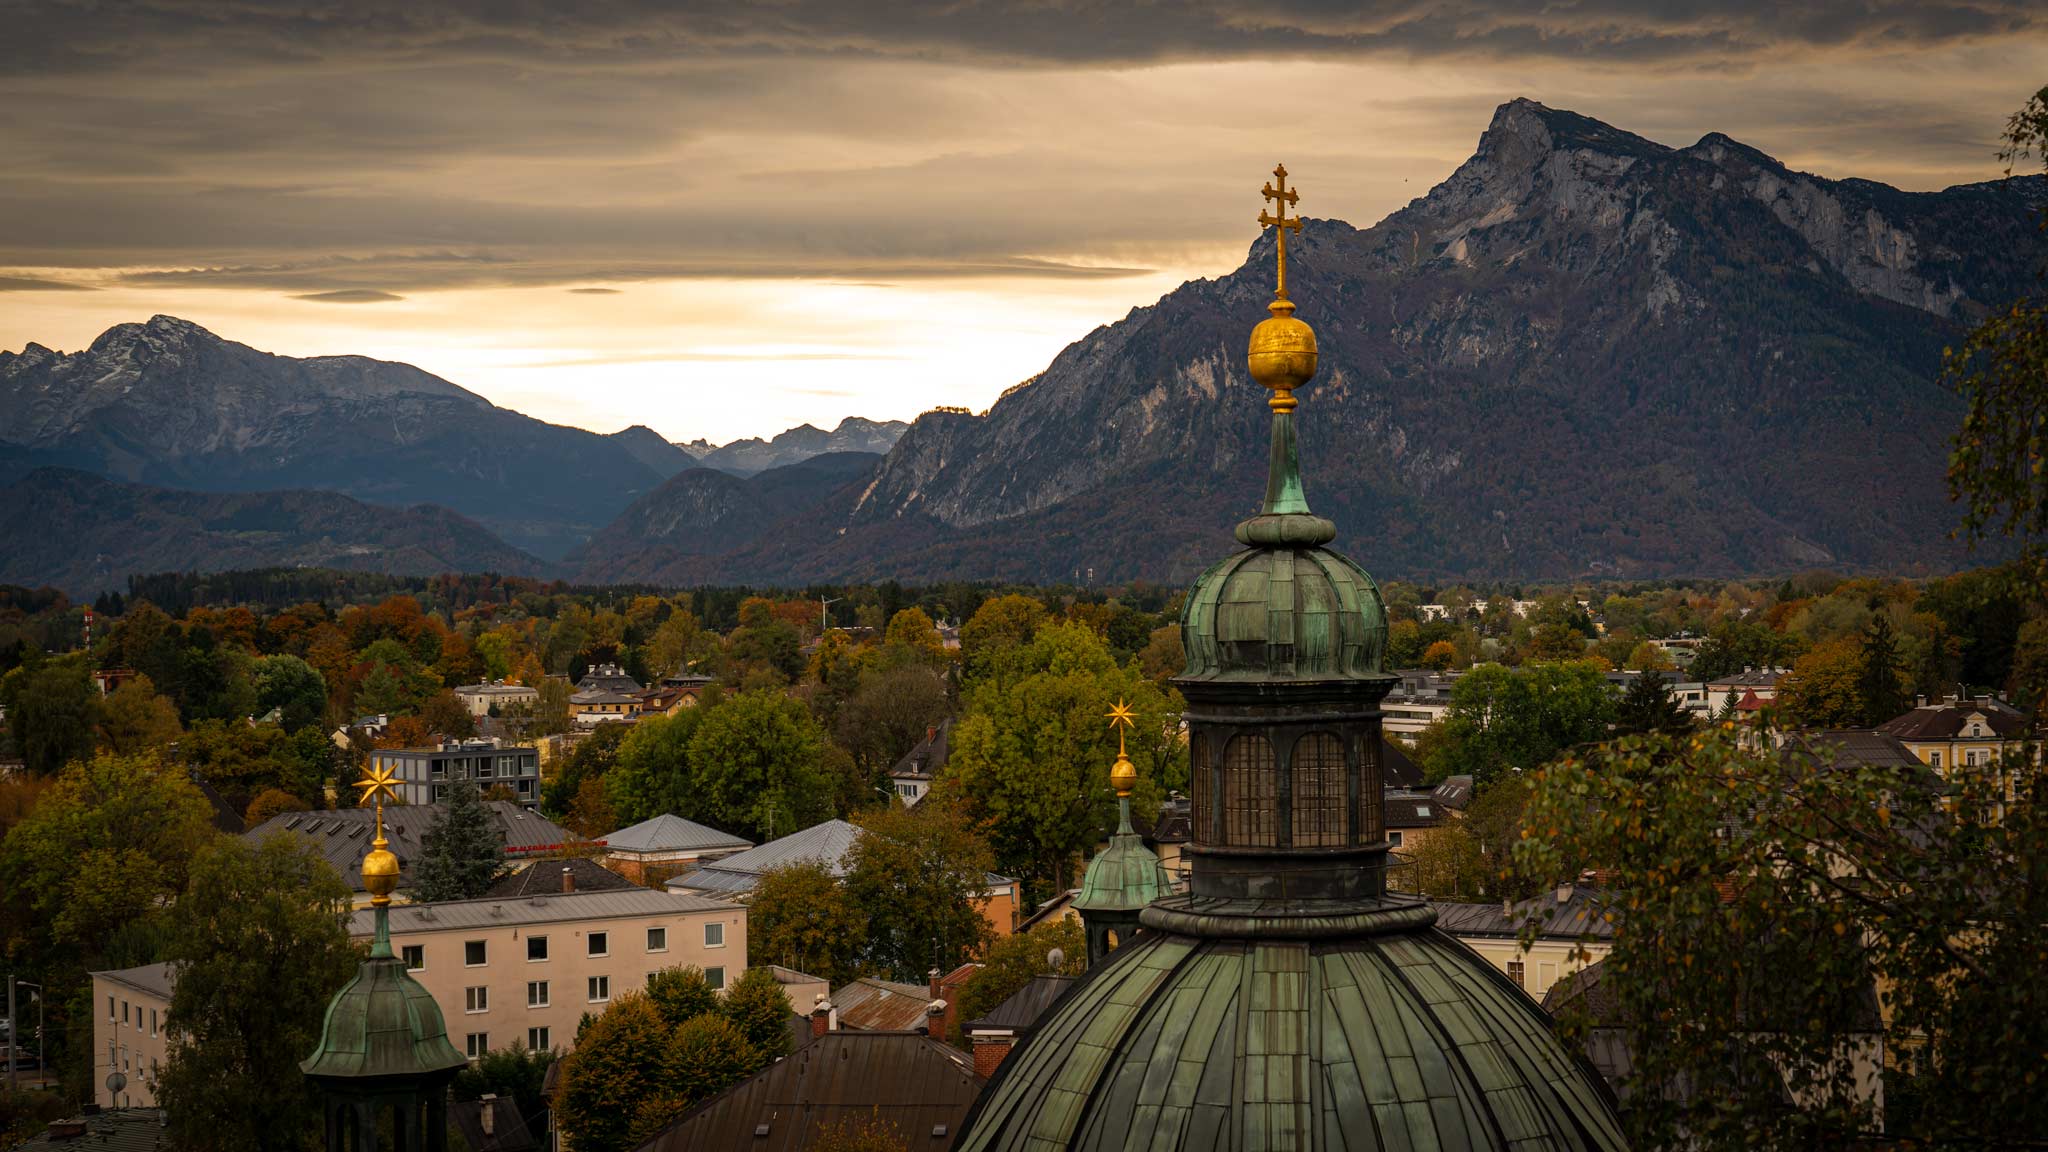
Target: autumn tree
point(1000, 627)
point(268, 803)
point(1014, 961)
point(260, 945)
point(760, 1009)
point(618, 1064)
point(918, 876)
point(1440, 655)
point(1825, 687)
point(134, 719)
point(801, 917)
point(680, 993)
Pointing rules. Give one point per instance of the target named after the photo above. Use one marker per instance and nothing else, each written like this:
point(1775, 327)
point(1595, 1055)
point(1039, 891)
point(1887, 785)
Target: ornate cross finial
point(1283, 198)
point(380, 867)
point(1123, 774)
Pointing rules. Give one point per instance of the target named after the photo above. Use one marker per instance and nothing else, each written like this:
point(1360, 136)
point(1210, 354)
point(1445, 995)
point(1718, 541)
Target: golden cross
point(1286, 198)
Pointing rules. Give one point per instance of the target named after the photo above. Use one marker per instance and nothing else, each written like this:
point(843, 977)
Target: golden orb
point(1283, 354)
point(380, 873)
point(1123, 775)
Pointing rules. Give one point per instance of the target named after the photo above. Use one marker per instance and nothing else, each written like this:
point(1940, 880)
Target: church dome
point(1284, 613)
point(382, 1023)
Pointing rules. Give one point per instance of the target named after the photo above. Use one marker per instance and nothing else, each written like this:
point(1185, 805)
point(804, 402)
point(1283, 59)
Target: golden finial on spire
point(1283, 350)
point(380, 866)
point(1123, 775)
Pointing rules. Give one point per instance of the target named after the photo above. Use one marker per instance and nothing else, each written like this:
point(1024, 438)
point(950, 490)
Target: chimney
point(990, 1053)
point(1564, 891)
point(1507, 907)
point(931, 733)
point(933, 977)
point(821, 1016)
point(488, 1118)
point(935, 1020)
point(568, 879)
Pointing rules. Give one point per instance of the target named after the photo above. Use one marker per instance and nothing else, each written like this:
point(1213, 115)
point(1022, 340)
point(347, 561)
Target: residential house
point(424, 773)
point(608, 678)
point(1411, 816)
point(912, 776)
point(658, 849)
point(526, 970)
point(593, 706)
point(130, 1009)
point(1419, 700)
point(733, 877)
point(876, 1005)
point(1761, 684)
point(481, 699)
point(1172, 828)
point(1960, 731)
point(546, 877)
point(492, 1124)
point(343, 835)
point(675, 694)
point(1575, 929)
point(1010, 1023)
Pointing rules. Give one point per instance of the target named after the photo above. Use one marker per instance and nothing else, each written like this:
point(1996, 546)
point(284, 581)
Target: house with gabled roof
point(664, 846)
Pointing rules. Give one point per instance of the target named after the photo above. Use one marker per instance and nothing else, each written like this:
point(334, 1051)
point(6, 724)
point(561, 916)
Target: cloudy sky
point(721, 220)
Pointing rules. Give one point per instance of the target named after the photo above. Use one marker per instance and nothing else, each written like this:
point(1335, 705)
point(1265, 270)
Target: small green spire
point(380, 944)
point(1284, 520)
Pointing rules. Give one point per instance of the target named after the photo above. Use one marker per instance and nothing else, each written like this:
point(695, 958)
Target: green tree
point(260, 946)
point(1013, 961)
point(465, 854)
point(291, 686)
point(918, 876)
point(592, 760)
point(680, 993)
point(760, 1009)
point(1647, 706)
point(758, 765)
point(515, 1073)
point(889, 712)
point(1881, 681)
point(619, 1063)
point(1446, 865)
point(1000, 627)
point(133, 719)
point(801, 917)
point(2028, 685)
point(705, 1054)
point(52, 708)
point(242, 759)
point(1502, 718)
point(652, 774)
point(669, 647)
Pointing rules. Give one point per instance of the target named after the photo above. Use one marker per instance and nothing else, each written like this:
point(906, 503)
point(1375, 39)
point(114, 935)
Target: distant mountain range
point(1582, 354)
point(85, 534)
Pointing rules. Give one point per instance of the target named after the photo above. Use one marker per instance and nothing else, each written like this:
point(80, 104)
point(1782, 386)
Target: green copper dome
point(1284, 614)
point(1125, 876)
point(382, 1023)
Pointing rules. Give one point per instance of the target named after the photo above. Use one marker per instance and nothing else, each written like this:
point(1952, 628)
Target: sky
point(723, 220)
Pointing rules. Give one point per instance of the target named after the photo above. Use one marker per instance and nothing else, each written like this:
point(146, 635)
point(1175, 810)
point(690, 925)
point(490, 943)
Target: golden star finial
point(378, 784)
point(1122, 714)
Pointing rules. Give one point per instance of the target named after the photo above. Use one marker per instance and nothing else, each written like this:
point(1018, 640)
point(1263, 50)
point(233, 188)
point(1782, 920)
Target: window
point(476, 999)
point(600, 944)
point(537, 1039)
point(152, 1021)
point(714, 935)
point(473, 953)
point(657, 939)
point(1248, 791)
point(716, 978)
point(1515, 971)
point(536, 948)
point(1201, 783)
point(476, 1044)
point(1934, 759)
point(1394, 838)
point(1319, 800)
point(536, 993)
point(600, 989)
point(124, 1011)
point(415, 957)
point(1372, 808)
point(110, 1009)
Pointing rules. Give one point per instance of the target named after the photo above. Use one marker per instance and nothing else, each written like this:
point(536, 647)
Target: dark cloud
point(31, 284)
point(350, 296)
point(594, 291)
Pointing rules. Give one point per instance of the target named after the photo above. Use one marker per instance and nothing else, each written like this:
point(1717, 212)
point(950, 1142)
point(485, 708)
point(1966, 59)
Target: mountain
point(1583, 354)
point(746, 457)
point(85, 533)
point(169, 403)
point(704, 511)
point(646, 445)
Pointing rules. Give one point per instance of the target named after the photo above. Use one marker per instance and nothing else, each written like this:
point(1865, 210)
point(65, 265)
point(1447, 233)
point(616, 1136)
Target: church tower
point(383, 1048)
point(1126, 876)
point(1289, 1000)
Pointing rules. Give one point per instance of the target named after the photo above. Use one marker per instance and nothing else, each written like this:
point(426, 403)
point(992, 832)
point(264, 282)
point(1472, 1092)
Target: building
point(1960, 731)
point(553, 875)
point(906, 1080)
point(344, 835)
point(135, 1129)
point(1166, 834)
point(593, 706)
point(1419, 699)
point(656, 850)
point(1575, 930)
point(1288, 1000)
point(608, 678)
point(492, 1124)
point(733, 877)
point(497, 697)
point(992, 1037)
point(1411, 816)
point(675, 694)
point(912, 776)
point(871, 1004)
point(424, 773)
point(130, 1008)
point(526, 970)
point(1760, 683)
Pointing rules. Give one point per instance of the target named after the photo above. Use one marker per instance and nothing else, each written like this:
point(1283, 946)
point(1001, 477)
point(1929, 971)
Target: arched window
point(1202, 790)
point(1372, 806)
point(1319, 799)
point(1248, 791)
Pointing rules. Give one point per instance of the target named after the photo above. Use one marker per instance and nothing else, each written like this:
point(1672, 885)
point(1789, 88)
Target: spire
point(380, 866)
point(1123, 774)
point(1282, 357)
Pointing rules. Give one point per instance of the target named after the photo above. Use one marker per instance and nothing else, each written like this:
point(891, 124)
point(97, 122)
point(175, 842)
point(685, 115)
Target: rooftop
point(560, 907)
point(153, 979)
point(1583, 912)
point(670, 833)
point(113, 1130)
point(544, 878)
point(1406, 809)
point(827, 843)
point(1949, 719)
point(874, 1005)
point(925, 760)
point(344, 834)
point(1020, 1013)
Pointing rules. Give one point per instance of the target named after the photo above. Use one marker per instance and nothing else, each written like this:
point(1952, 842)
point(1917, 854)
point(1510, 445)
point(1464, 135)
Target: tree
point(760, 1009)
point(1647, 706)
point(1001, 626)
point(591, 814)
point(1647, 657)
point(1881, 680)
point(620, 1061)
point(515, 1073)
point(1013, 961)
point(1740, 961)
point(680, 993)
point(757, 761)
point(801, 917)
point(52, 708)
point(2001, 372)
point(242, 759)
point(652, 774)
point(593, 758)
point(1440, 655)
point(868, 1133)
point(291, 686)
point(2028, 685)
point(889, 712)
point(912, 634)
point(1502, 719)
point(707, 1053)
point(669, 647)
point(918, 876)
point(1824, 689)
point(133, 719)
point(1447, 865)
point(447, 716)
point(260, 946)
point(465, 852)
point(268, 803)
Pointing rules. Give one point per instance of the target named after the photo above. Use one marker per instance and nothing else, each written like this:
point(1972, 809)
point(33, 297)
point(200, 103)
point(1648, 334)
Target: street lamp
point(824, 622)
point(14, 1034)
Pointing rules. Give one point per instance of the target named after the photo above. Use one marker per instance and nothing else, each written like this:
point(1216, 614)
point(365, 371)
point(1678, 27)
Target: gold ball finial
point(1123, 775)
point(380, 865)
point(1282, 356)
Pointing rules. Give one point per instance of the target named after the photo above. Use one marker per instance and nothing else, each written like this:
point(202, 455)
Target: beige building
point(1575, 932)
point(481, 698)
point(131, 1008)
point(525, 970)
point(1959, 732)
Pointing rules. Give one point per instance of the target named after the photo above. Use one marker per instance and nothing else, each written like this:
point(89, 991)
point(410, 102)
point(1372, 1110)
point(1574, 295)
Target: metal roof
point(544, 878)
point(873, 1005)
point(1584, 912)
point(343, 835)
point(508, 1128)
point(736, 875)
point(113, 1130)
point(557, 908)
point(1405, 809)
point(1454, 793)
point(1397, 768)
point(670, 833)
point(152, 979)
point(924, 761)
point(918, 1086)
point(1946, 720)
point(1020, 1013)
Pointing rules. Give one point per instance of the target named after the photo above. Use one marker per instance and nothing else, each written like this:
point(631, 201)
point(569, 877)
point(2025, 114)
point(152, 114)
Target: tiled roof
point(114, 1130)
point(924, 761)
point(558, 908)
point(1583, 913)
point(670, 833)
point(1946, 720)
point(508, 1128)
point(154, 979)
point(1397, 768)
point(1020, 1013)
point(881, 1005)
point(1405, 809)
point(1454, 793)
point(544, 878)
point(1752, 678)
point(921, 1088)
point(344, 834)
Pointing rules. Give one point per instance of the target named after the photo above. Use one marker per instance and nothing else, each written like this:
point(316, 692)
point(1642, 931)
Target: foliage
point(917, 875)
point(680, 993)
point(270, 802)
point(706, 1053)
point(1507, 718)
point(1013, 961)
point(757, 763)
point(133, 719)
point(1825, 687)
point(760, 1009)
point(591, 815)
point(1741, 961)
point(652, 774)
point(1440, 655)
point(1647, 706)
point(619, 1062)
point(241, 759)
point(870, 1133)
point(1446, 864)
point(291, 686)
point(51, 709)
point(1000, 627)
point(801, 917)
point(592, 759)
point(514, 1073)
point(1880, 681)
point(465, 853)
point(888, 713)
point(260, 947)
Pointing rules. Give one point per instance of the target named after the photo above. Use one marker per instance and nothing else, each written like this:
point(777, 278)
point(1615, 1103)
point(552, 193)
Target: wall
point(1546, 962)
point(139, 1044)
